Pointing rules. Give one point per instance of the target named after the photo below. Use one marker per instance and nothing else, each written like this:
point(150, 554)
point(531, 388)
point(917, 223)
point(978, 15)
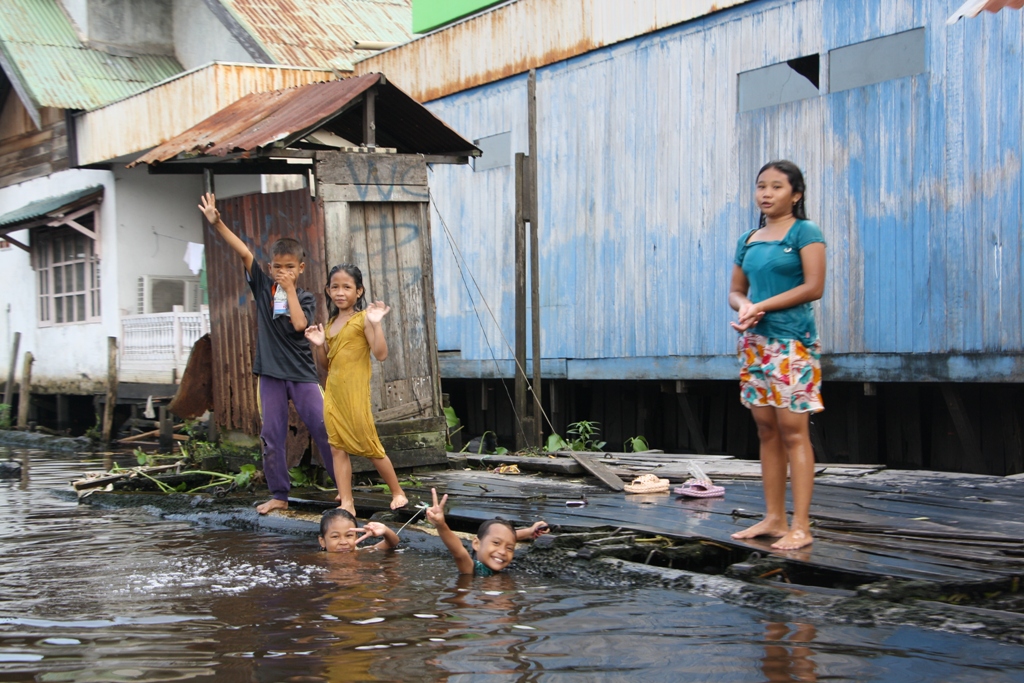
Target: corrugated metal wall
point(647, 172)
point(260, 220)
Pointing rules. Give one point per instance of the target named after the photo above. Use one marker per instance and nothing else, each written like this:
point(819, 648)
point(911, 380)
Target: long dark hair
point(356, 275)
point(796, 181)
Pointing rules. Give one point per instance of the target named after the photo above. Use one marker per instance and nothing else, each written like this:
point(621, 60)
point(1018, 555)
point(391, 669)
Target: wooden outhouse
point(363, 148)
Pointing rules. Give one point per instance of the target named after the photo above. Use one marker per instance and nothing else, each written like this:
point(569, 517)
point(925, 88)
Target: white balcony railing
point(155, 346)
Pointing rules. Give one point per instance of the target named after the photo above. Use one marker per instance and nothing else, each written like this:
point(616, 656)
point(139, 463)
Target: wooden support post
point(63, 412)
point(212, 430)
point(166, 429)
point(692, 425)
point(108, 409)
point(370, 118)
point(25, 396)
point(9, 387)
point(962, 422)
point(538, 410)
point(208, 181)
point(522, 439)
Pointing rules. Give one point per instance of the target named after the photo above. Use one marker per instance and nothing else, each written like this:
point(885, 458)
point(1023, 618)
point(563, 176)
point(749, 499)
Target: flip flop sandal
point(700, 489)
point(647, 483)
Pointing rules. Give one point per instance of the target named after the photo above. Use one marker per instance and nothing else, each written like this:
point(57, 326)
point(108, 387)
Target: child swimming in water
point(494, 545)
point(339, 533)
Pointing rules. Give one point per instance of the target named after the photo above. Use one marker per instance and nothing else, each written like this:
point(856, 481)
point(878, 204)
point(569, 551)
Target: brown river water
point(123, 595)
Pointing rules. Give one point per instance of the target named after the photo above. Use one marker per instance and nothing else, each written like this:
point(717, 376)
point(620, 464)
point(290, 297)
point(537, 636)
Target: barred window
point(68, 273)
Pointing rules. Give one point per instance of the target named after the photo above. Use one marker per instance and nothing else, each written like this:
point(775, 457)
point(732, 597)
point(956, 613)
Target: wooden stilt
point(25, 396)
point(9, 387)
point(108, 409)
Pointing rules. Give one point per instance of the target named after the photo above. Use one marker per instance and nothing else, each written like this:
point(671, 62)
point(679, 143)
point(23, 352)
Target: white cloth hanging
point(194, 257)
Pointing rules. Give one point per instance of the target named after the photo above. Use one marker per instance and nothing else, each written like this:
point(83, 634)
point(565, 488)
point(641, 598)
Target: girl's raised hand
point(208, 205)
point(315, 335)
point(435, 513)
point(376, 310)
point(370, 530)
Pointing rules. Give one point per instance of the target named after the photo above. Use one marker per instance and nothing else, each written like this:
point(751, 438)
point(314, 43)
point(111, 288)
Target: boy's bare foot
point(767, 527)
point(272, 504)
point(797, 538)
point(398, 500)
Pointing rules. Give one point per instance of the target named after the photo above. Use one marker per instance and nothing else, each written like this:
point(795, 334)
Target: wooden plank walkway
point(911, 525)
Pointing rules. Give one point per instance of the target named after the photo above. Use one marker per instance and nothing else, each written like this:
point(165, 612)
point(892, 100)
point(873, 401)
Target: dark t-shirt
point(281, 352)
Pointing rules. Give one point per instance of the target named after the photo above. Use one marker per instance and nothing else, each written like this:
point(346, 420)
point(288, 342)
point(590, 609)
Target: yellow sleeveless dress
point(348, 414)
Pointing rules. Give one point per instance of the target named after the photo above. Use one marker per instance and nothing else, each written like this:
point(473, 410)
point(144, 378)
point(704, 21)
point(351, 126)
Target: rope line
point(459, 261)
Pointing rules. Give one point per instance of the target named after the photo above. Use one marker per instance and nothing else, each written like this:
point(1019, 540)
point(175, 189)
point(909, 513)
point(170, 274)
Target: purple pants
point(309, 404)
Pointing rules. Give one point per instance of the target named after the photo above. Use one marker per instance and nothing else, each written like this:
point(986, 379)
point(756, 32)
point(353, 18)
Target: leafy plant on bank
point(453, 425)
point(583, 436)
point(635, 444)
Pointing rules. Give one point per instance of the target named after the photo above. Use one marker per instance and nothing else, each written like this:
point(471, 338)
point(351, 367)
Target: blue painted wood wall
point(646, 180)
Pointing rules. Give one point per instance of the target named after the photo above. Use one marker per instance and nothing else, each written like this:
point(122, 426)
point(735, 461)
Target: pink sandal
point(699, 489)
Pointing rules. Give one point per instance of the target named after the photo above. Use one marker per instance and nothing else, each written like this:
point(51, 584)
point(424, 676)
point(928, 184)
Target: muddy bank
point(620, 557)
point(45, 442)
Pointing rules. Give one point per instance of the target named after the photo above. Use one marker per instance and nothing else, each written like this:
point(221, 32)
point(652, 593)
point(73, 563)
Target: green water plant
point(584, 435)
point(5, 416)
point(635, 444)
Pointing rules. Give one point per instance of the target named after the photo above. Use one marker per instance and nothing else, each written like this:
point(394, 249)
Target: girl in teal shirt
point(779, 269)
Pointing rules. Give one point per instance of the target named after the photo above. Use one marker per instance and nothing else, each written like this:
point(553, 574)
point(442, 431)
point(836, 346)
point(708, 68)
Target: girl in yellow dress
point(344, 348)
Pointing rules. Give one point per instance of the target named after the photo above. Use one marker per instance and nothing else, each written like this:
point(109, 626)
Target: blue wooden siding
point(646, 176)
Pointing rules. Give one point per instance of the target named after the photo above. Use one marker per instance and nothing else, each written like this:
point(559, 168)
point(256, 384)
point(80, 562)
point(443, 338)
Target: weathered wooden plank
point(411, 426)
point(379, 170)
point(375, 193)
point(599, 470)
point(566, 466)
point(413, 441)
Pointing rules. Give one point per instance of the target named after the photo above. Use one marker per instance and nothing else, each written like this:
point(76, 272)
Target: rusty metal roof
point(321, 33)
point(283, 117)
point(43, 55)
point(973, 8)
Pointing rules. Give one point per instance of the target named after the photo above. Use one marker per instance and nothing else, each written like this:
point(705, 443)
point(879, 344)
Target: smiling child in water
point(494, 545)
point(339, 533)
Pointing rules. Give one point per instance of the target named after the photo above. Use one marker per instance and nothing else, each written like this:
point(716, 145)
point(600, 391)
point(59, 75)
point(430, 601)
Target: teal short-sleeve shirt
point(773, 267)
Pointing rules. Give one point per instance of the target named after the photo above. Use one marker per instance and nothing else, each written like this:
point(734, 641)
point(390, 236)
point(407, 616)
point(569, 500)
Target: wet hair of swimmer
point(485, 528)
point(327, 519)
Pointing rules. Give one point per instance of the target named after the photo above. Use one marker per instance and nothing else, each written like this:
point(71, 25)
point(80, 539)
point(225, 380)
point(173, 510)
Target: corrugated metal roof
point(973, 8)
point(157, 114)
point(261, 119)
point(49, 205)
point(320, 33)
point(41, 48)
point(520, 35)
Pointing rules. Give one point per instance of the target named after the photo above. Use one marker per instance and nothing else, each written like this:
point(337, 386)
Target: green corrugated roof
point(42, 207)
point(40, 45)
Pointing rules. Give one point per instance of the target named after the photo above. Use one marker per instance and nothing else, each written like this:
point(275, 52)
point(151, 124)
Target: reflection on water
point(787, 656)
point(92, 595)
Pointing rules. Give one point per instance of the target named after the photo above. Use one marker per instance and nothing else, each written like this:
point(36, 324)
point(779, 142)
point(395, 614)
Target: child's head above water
point(495, 544)
point(345, 289)
point(338, 531)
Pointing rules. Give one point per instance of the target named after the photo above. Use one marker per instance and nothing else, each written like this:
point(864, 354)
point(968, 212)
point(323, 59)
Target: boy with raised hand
point(283, 362)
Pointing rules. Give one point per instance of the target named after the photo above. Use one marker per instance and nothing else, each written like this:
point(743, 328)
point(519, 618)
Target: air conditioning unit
point(160, 294)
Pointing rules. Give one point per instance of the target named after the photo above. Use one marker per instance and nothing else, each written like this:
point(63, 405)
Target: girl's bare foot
point(398, 500)
point(349, 504)
point(272, 504)
point(766, 527)
point(797, 538)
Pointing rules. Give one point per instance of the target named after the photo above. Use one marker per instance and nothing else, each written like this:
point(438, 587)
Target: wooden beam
point(18, 244)
point(538, 404)
point(692, 425)
point(25, 396)
point(108, 409)
point(522, 439)
point(9, 387)
point(370, 118)
point(962, 422)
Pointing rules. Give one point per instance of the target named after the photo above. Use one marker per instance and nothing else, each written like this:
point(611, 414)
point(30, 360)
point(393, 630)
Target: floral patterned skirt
point(780, 372)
